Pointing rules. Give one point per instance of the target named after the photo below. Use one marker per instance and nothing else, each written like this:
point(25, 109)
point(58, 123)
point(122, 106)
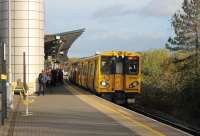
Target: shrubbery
point(170, 86)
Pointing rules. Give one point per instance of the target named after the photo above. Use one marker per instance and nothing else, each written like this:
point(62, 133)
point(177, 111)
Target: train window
point(93, 69)
point(106, 65)
point(132, 67)
point(119, 67)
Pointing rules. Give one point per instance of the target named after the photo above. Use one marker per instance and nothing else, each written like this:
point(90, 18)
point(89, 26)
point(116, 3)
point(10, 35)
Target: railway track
point(158, 117)
point(164, 119)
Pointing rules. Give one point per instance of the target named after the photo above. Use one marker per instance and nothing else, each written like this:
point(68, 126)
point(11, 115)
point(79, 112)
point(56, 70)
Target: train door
point(118, 80)
point(118, 74)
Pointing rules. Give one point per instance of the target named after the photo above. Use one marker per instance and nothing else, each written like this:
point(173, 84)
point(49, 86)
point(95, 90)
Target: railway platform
point(69, 111)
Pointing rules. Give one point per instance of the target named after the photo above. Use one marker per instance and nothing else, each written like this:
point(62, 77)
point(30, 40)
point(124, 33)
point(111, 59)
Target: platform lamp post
point(24, 70)
point(3, 77)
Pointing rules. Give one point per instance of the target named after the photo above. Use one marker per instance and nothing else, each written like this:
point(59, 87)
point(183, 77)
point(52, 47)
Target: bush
point(171, 87)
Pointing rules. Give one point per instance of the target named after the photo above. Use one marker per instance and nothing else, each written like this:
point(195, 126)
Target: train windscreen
point(106, 65)
point(132, 65)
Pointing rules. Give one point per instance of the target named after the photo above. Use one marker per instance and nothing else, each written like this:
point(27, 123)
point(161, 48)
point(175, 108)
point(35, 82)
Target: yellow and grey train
point(113, 75)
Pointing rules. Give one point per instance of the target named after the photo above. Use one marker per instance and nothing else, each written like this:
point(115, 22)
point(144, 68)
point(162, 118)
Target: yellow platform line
point(87, 99)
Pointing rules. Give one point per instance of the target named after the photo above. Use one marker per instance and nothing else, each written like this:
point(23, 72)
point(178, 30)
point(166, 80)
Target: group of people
point(49, 78)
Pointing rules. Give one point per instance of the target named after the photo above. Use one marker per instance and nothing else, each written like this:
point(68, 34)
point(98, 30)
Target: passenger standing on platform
point(48, 79)
point(53, 77)
point(42, 82)
point(60, 76)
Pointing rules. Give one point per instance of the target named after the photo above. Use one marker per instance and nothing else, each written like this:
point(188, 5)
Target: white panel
point(19, 69)
point(41, 67)
point(36, 1)
point(12, 42)
point(34, 24)
point(21, 33)
point(21, 41)
point(33, 78)
point(25, 26)
point(34, 59)
point(19, 76)
point(18, 60)
point(21, 5)
point(12, 59)
point(21, 24)
point(42, 36)
point(41, 24)
point(33, 15)
point(21, 50)
point(34, 33)
point(42, 41)
point(13, 51)
point(34, 50)
point(21, 15)
point(34, 69)
point(33, 41)
point(41, 51)
point(12, 5)
point(34, 6)
point(41, 60)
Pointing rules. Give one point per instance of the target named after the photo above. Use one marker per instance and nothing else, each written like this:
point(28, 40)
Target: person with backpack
point(42, 79)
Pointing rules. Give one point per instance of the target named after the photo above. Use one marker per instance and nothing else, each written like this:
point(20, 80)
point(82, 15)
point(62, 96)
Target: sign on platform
point(3, 77)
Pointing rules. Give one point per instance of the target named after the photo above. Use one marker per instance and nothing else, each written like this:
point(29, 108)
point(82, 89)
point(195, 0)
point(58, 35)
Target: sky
point(123, 25)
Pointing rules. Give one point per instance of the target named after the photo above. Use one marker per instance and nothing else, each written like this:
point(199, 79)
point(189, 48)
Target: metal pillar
point(3, 89)
point(24, 70)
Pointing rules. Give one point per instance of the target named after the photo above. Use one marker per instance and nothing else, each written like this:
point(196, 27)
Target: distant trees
point(169, 88)
point(186, 24)
point(171, 82)
point(186, 41)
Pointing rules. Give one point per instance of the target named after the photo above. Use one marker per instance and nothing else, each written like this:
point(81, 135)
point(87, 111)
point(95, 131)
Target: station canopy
point(57, 45)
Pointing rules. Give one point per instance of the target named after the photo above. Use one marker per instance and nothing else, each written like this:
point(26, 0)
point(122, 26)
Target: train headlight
point(104, 83)
point(134, 84)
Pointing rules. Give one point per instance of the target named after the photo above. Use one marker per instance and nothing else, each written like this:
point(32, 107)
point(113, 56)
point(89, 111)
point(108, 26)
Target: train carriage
point(113, 75)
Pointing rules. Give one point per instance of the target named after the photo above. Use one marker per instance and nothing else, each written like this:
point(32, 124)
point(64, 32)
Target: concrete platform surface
point(70, 111)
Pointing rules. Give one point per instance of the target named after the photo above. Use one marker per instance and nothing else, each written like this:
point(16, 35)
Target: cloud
point(161, 8)
point(88, 44)
point(133, 25)
point(112, 11)
point(155, 8)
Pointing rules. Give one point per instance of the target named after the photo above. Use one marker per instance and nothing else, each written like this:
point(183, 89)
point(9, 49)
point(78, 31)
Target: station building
point(22, 32)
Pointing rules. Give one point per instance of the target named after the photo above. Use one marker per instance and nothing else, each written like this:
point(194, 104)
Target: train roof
point(112, 53)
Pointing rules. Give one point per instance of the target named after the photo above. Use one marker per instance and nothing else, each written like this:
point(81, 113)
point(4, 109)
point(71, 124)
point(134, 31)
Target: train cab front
point(132, 80)
point(126, 78)
point(120, 77)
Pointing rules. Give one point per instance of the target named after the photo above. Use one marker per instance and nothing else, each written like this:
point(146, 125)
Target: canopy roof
point(60, 42)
